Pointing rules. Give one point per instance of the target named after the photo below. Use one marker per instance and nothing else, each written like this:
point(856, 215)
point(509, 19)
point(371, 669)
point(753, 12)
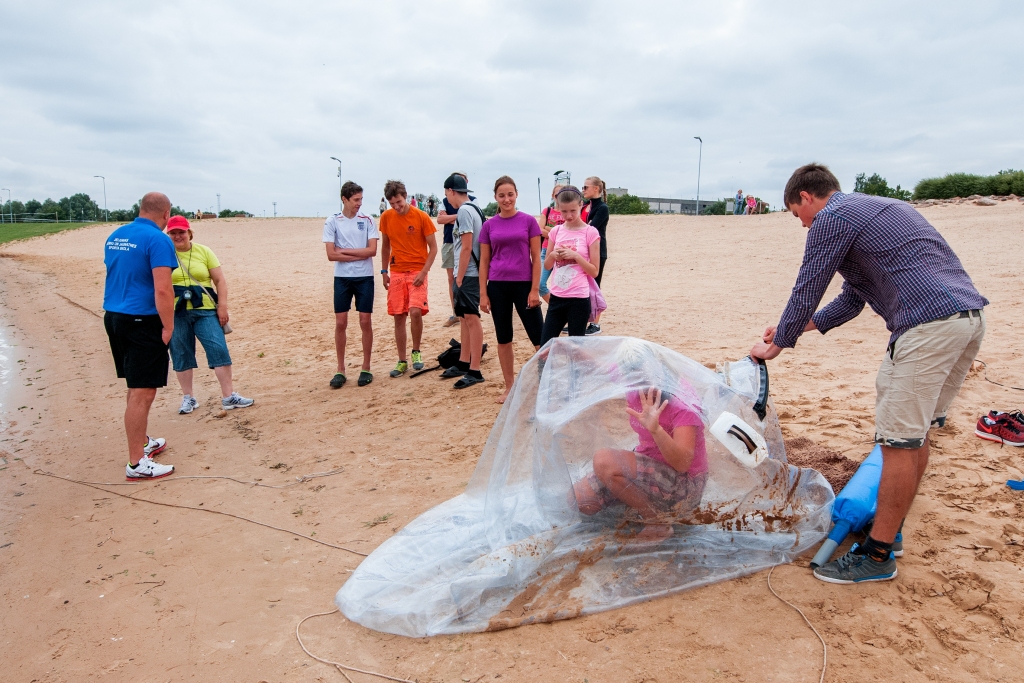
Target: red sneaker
point(1002, 429)
point(1015, 416)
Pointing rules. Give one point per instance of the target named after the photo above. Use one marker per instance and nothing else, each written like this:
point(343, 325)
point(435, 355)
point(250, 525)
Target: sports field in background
point(10, 232)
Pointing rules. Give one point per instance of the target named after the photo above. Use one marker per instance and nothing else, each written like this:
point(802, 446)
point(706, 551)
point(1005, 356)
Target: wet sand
point(96, 586)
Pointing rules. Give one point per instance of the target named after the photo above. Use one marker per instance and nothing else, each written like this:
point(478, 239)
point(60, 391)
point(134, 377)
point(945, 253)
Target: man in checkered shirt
point(891, 258)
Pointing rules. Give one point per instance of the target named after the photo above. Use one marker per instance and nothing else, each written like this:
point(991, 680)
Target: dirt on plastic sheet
point(833, 465)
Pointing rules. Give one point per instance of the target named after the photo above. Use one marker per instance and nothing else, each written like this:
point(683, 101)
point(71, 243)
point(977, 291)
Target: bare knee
point(607, 465)
point(365, 321)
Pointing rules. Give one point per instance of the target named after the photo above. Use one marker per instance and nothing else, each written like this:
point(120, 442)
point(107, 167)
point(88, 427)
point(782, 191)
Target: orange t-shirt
point(408, 237)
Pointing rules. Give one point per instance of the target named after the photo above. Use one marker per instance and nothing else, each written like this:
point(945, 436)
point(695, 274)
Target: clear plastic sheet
point(515, 549)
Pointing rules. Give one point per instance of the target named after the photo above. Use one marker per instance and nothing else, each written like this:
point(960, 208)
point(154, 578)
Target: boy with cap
point(408, 249)
point(466, 289)
point(351, 241)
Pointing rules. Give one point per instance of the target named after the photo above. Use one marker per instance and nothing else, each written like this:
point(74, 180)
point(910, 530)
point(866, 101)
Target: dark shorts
point(140, 355)
point(467, 297)
point(506, 295)
point(359, 287)
point(667, 489)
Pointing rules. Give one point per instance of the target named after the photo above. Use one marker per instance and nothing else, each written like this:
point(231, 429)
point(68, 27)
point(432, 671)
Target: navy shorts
point(359, 287)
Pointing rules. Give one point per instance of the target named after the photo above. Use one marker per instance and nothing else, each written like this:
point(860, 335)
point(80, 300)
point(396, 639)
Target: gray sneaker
point(855, 568)
point(897, 545)
point(235, 401)
point(188, 404)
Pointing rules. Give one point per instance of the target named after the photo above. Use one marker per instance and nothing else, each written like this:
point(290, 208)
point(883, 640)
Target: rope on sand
point(824, 648)
point(998, 384)
point(341, 667)
point(99, 487)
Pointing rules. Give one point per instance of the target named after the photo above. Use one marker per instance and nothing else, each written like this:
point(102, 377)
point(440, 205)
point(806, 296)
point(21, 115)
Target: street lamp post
point(106, 214)
point(700, 154)
point(10, 204)
point(275, 209)
point(340, 183)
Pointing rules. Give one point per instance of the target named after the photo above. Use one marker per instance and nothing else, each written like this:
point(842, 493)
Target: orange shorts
point(403, 295)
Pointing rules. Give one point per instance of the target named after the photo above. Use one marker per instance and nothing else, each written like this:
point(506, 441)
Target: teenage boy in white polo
point(891, 258)
point(351, 241)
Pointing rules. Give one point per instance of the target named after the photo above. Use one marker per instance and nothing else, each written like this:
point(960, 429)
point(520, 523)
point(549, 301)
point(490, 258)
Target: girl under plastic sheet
point(516, 547)
point(665, 474)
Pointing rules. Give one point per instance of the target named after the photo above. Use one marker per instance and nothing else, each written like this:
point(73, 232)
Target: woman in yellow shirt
point(200, 311)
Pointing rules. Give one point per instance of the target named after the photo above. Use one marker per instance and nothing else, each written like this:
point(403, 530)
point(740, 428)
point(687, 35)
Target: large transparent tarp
point(515, 547)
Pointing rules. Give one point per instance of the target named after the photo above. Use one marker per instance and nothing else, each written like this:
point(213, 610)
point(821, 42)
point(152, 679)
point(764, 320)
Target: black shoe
point(592, 329)
point(338, 381)
point(364, 378)
point(468, 381)
point(452, 373)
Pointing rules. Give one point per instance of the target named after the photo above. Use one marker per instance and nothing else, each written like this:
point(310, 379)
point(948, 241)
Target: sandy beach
point(100, 587)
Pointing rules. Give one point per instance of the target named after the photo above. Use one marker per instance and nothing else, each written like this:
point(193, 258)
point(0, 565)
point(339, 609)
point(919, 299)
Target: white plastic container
point(740, 439)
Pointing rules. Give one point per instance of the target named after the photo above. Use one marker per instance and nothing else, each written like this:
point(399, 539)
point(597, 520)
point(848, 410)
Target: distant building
point(670, 205)
point(617, 191)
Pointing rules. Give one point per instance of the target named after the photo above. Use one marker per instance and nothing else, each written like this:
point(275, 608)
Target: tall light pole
point(106, 214)
point(10, 204)
point(540, 207)
point(340, 183)
point(275, 209)
point(700, 154)
point(218, 204)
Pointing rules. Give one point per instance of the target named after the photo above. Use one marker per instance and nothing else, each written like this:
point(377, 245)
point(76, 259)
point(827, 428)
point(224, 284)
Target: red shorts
point(403, 295)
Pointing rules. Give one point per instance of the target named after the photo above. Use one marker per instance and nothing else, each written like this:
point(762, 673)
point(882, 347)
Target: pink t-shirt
point(676, 414)
point(552, 219)
point(568, 280)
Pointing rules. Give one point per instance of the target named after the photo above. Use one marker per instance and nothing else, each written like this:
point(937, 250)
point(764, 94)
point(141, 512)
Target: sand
point(96, 586)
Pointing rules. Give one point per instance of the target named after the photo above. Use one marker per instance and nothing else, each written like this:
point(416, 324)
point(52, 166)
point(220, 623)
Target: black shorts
point(140, 355)
point(467, 297)
point(359, 287)
point(505, 295)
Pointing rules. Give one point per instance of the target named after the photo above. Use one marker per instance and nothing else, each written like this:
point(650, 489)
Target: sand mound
point(833, 465)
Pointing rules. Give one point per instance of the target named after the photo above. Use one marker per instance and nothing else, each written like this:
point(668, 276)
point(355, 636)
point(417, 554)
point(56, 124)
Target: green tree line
point(78, 207)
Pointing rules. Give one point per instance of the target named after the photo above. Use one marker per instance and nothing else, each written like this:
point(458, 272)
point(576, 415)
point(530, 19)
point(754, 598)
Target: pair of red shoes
point(1006, 428)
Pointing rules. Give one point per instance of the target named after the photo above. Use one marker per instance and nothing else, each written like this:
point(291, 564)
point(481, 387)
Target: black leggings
point(576, 312)
point(505, 295)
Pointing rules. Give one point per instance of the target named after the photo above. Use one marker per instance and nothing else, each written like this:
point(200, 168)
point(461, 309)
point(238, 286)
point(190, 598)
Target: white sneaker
point(188, 404)
point(147, 469)
point(153, 447)
point(235, 401)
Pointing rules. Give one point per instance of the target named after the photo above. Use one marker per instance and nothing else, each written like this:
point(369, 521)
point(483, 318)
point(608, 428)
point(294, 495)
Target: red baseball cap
point(178, 223)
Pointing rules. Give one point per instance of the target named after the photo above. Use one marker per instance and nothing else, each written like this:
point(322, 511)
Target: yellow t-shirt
point(199, 261)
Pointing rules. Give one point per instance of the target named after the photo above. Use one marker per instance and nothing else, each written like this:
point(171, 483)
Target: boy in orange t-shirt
point(408, 248)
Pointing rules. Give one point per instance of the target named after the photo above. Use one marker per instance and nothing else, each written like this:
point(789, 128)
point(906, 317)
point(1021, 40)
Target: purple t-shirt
point(509, 239)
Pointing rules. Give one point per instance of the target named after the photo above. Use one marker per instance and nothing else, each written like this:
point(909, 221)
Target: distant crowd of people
point(749, 205)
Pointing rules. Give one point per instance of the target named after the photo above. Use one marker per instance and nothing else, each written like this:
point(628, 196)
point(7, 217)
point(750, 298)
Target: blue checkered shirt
point(890, 257)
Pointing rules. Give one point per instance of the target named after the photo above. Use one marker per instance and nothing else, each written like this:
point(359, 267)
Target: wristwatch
point(383, 272)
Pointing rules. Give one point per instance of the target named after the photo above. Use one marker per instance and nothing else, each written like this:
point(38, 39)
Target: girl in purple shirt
point(510, 275)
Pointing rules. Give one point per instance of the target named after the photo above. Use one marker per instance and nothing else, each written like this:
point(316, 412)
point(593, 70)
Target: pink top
point(676, 414)
point(552, 219)
point(568, 280)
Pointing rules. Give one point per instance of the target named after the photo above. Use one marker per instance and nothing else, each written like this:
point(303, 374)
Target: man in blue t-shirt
point(138, 301)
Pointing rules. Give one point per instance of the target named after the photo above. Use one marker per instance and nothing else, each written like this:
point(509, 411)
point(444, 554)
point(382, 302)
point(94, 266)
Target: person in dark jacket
point(594, 190)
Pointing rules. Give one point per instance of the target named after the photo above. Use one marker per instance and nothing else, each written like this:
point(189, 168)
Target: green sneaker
point(338, 381)
point(417, 360)
point(856, 568)
point(400, 369)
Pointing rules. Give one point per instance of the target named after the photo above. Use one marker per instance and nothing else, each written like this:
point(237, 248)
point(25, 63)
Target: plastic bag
point(515, 548)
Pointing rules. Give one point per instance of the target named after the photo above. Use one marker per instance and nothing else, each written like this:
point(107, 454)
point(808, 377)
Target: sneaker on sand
point(592, 329)
point(1014, 416)
point(451, 321)
point(452, 372)
point(235, 401)
point(1002, 429)
point(365, 377)
point(338, 381)
point(856, 568)
point(188, 404)
point(147, 469)
point(897, 545)
point(400, 369)
point(417, 360)
point(153, 446)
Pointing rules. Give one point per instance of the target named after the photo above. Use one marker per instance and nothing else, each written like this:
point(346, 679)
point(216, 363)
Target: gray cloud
point(250, 99)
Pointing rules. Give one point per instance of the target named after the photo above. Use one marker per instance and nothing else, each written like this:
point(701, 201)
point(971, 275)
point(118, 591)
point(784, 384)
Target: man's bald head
point(156, 207)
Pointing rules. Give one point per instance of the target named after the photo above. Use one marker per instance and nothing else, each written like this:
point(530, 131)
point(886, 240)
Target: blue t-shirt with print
point(130, 255)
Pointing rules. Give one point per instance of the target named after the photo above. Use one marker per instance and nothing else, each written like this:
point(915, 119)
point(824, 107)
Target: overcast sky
point(250, 99)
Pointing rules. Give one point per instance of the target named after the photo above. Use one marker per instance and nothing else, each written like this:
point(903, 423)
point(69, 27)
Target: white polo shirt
point(351, 233)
